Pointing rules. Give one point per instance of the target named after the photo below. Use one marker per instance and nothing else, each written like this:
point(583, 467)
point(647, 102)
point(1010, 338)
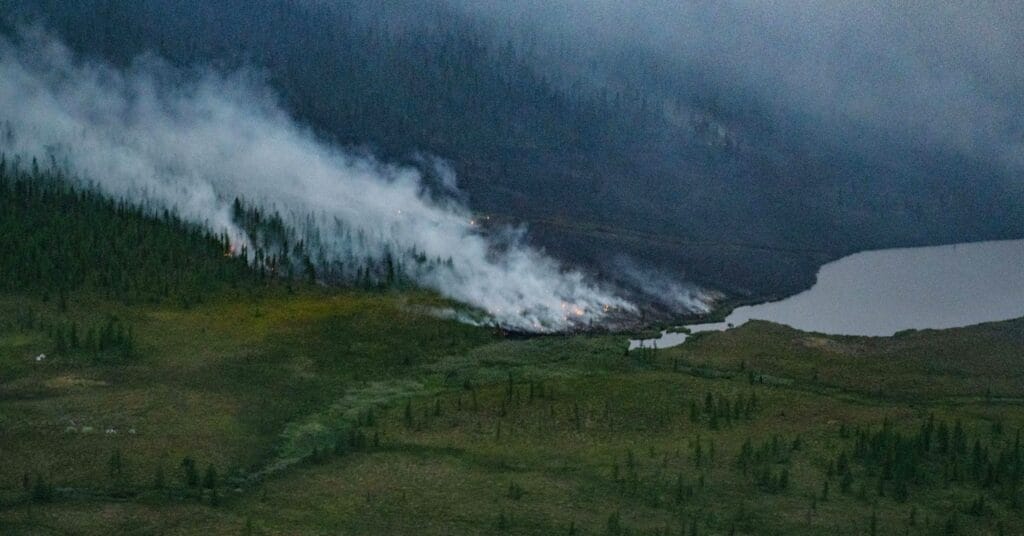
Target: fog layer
point(932, 74)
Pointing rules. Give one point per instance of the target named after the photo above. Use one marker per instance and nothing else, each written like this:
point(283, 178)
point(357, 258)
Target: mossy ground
point(338, 412)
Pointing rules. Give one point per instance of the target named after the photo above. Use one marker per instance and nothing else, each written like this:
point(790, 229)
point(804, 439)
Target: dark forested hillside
point(678, 172)
point(59, 238)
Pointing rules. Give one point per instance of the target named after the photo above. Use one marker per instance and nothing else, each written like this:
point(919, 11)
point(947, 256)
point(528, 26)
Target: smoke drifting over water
point(194, 145)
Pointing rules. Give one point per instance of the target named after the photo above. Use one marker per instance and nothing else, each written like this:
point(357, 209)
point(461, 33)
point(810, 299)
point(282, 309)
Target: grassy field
point(343, 412)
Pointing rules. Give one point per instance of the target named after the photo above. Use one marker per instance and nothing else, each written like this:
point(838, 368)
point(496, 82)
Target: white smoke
point(194, 146)
point(660, 289)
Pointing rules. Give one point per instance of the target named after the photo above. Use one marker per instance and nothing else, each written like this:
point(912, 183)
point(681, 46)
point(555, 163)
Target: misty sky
point(947, 74)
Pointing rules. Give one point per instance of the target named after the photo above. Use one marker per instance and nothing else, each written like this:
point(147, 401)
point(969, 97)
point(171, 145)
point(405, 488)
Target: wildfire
point(573, 310)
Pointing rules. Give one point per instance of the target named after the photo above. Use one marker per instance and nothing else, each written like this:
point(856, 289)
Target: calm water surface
point(881, 292)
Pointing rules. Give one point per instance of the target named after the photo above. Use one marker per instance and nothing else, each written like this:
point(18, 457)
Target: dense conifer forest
point(62, 236)
point(59, 238)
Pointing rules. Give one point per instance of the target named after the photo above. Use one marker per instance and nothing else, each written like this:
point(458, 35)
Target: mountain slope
point(721, 187)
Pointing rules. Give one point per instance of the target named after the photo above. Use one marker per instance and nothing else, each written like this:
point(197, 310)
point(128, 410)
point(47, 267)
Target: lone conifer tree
point(210, 483)
point(189, 472)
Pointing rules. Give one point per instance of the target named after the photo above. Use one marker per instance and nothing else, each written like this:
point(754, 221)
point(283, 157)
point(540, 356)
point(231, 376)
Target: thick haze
point(196, 147)
point(939, 75)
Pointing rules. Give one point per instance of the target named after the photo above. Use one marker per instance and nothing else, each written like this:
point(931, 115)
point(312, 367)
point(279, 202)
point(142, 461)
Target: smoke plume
point(193, 142)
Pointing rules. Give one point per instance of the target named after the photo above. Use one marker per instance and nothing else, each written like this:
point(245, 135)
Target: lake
point(878, 293)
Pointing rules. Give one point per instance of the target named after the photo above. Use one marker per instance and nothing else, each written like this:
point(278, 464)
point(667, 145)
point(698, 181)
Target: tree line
point(62, 235)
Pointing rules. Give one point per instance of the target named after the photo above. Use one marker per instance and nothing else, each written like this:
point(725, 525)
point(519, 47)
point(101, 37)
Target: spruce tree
point(190, 475)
